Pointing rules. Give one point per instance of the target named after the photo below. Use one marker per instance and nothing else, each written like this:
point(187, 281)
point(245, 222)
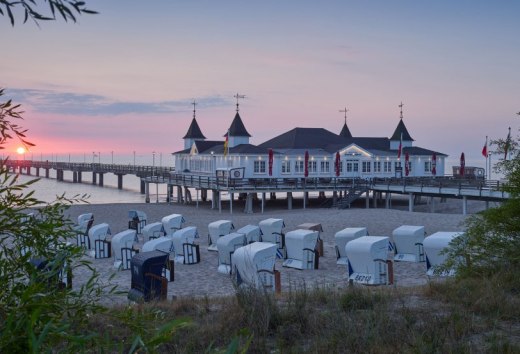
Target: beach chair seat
point(254, 266)
point(186, 251)
point(172, 223)
point(226, 246)
point(343, 237)
point(98, 238)
point(314, 227)
point(408, 241)
point(147, 282)
point(434, 245)
point(368, 260)
point(301, 249)
point(122, 248)
point(272, 232)
point(218, 229)
point(251, 232)
point(138, 220)
point(152, 230)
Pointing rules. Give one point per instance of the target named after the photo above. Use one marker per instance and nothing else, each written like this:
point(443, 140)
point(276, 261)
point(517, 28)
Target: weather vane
point(237, 96)
point(401, 106)
point(194, 104)
point(344, 111)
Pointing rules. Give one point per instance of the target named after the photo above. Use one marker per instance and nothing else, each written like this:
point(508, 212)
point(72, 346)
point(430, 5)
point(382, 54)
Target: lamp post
point(93, 156)
point(153, 163)
point(99, 155)
point(134, 159)
point(112, 152)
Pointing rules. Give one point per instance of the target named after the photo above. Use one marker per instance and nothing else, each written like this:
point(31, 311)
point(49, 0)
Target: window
point(341, 167)
point(427, 166)
point(312, 167)
point(352, 166)
point(365, 167)
point(377, 166)
point(259, 166)
point(325, 166)
point(387, 166)
point(298, 166)
point(286, 166)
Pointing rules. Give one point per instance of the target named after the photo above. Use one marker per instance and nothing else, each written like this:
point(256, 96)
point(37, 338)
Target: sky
point(123, 80)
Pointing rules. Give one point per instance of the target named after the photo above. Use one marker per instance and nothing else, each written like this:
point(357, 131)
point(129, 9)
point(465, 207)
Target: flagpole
point(485, 170)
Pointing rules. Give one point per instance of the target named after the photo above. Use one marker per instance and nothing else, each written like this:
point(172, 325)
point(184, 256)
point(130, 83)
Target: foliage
point(67, 9)
point(38, 311)
point(491, 243)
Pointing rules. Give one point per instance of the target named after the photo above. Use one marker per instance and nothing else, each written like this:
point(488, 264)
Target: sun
point(21, 150)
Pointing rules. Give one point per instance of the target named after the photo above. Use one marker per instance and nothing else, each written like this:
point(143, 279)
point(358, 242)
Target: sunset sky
point(123, 80)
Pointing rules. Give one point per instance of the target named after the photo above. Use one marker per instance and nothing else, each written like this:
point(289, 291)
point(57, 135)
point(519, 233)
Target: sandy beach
point(202, 279)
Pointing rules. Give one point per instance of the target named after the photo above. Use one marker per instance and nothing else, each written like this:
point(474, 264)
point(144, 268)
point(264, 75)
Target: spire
point(345, 132)
point(401, 130)
point(237, 127)
point(237, 96)
point(194, 131)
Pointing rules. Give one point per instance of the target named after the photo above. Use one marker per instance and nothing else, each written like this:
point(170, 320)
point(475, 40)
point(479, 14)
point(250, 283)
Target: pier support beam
point(263, 201)
point(367, 200)
point(94, 177)
point(169, 193)
point(305, 199)
point(249, 204)
point(101, 179)
point(74, 177)
point(214, 197)
point(432, 204)
point(464, 205)
point(231, 196)
point(79, 176)
point(37, 172)
point(387, 200)
point(147, 192)
point(204, 195)
point(289, 200)
point(179, 195)
point(119, 181)
point(143, 186)
point(187, 196)
point(410, 201)
point(46, 173)
point(334, 197)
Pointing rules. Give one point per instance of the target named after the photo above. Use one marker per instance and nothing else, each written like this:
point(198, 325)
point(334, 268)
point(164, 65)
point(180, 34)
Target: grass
point(463, 316)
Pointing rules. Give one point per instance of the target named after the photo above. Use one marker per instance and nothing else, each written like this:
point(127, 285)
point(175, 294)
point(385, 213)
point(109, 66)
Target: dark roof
point(194, 131)
point(345, 132)
point(202, 146)
point(401, 128)
point(419, 151)
point(242, 149)
point(304, 138)
point(237, 127)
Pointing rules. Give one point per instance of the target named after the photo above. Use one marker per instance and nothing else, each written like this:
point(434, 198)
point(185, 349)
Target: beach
point(203, 280)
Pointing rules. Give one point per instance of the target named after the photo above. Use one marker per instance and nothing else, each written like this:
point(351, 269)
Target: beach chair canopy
point(83, 219)
point(271, 229)
point(408, 241)
point(98, 232)
point(143, 286)
point(250, 259)
point(153, 230)
point(434, 245)
point(367, 257)
point(218, 229)
point(141, 215)
point(123, 239)
point(346, 235)
point(172, 223)
point(162, 243)
point(227, 244)
point(251, 232)
point(298, 240)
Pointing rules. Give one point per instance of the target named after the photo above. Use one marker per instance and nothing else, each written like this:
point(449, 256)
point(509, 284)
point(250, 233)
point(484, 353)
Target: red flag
point(400, 147)
point(484, 149)
point(406, 165)
point(270, 162)
point(434, 164)
point(462, 164)
point(306, 167)
point(337, 164)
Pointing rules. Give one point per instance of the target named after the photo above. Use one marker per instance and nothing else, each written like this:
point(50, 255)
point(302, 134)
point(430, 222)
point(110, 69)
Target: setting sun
point(21, 150)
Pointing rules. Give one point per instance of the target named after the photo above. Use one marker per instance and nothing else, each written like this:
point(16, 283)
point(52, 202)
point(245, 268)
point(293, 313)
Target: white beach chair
point(163, 243)
point(172, 223)
point(251, 232)
point(408, 241)
point(368, 260)
point(272, 232)
point(153, 230)
point(186, 251)
point(433, 246)
point(253, 265)
point(138, 220)
point(301, 249)
point(122, 248)
point(85, 222)
point(345, 236)
point(218, 229)
point(226, 246)
point(97, 238)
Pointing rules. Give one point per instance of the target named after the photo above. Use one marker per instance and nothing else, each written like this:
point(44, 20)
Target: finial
point(237, 96)
point(401, 106)
point(344, 111)
point(194, 104)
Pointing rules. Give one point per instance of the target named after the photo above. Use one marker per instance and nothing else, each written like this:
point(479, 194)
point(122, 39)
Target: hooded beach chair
point(172, 223)
point(272, 232)
point(226, 246)
point(253, 266)
point(153, 230)
point(301, 249)
point(345, 236)
point(251, 232)
point(434, 245)
point(138, 220)
point(408, 241)
point(97, 238)
point(218, 229)
point(368, 260)
point(122, 248)
point(186, 251)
